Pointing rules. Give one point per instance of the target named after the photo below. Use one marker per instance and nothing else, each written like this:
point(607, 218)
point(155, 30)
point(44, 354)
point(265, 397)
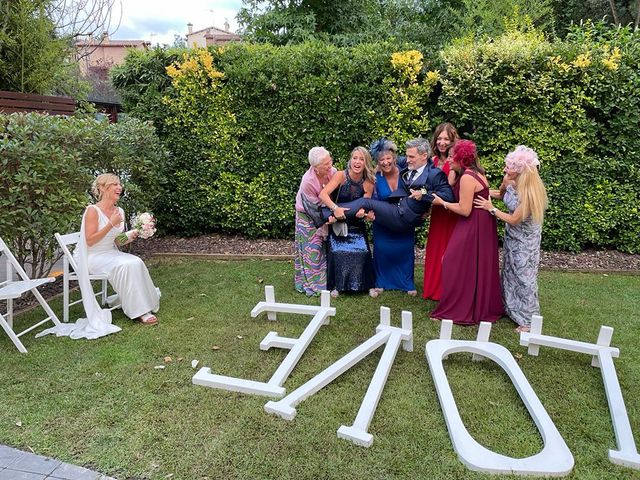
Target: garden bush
point(238, 143)
point(47, 166)
point(142, 80)
point(563, 100)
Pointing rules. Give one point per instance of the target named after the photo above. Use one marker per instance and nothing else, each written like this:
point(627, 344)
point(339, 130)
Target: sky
point(157, 21)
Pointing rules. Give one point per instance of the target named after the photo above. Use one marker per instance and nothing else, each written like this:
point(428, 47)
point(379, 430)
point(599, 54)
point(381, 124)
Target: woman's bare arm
point(93, 234)
point(465, 204)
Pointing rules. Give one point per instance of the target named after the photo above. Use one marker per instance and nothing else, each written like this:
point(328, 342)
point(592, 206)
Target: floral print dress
point(520, 265)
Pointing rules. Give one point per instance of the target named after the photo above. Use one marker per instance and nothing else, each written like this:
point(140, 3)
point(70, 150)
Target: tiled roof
point(217, 33)
point(113, 43)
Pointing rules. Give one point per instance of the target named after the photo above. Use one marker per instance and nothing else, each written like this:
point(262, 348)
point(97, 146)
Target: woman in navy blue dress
point(393, 252)
point(349, 262)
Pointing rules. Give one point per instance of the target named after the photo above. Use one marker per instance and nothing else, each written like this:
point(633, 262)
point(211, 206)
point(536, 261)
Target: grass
point(102, 403)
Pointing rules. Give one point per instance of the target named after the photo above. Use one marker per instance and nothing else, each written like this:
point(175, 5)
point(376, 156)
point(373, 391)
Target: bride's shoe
point(148, 319)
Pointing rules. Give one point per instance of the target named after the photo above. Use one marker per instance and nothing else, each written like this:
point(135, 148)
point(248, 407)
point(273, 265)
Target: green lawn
point(102, 403)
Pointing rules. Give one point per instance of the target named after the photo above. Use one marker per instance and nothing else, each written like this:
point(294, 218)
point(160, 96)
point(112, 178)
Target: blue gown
point(349, 262)
point(393, 252)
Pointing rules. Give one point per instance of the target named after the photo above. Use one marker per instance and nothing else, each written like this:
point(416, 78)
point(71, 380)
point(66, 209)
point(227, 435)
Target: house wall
point(107, 54)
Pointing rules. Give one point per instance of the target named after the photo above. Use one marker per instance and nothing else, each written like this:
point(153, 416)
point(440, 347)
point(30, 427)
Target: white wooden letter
point(296, 347)
point(554, 459)
point(602, 356)
point(392, 337)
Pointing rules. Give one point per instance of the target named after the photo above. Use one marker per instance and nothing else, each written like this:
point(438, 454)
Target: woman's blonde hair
point(368, 164)
point(101, 182)
point(532, 194)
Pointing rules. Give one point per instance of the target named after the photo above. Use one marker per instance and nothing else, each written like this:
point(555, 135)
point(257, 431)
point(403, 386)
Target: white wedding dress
point(127, 274)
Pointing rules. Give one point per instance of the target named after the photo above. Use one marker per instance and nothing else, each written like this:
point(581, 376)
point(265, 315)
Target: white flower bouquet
point(143, 223)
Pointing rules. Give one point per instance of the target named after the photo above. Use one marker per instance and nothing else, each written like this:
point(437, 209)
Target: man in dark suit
point(405, 208)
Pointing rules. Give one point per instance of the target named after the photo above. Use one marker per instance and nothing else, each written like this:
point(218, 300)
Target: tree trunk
point(614, 12)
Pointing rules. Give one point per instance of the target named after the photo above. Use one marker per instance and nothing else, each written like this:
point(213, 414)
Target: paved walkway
point(19, 465)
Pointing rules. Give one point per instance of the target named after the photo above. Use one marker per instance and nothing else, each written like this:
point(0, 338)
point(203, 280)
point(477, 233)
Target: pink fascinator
point(521, 158)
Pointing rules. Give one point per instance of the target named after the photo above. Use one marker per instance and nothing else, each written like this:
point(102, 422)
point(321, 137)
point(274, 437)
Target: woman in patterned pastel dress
point(525, 197)
point(310, 262)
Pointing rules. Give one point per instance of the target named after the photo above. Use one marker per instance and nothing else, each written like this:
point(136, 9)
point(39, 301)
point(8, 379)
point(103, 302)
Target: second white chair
point(69, 274)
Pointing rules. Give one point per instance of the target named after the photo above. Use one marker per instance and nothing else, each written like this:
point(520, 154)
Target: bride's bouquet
point(143, 223)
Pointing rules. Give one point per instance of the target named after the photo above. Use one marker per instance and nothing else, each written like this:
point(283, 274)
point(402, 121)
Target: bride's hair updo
point(101, 182)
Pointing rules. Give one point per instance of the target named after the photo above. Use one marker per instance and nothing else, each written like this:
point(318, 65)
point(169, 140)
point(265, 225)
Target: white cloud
point(159, 20)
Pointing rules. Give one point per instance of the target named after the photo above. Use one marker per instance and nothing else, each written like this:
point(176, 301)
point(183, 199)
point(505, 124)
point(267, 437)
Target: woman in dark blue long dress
point(393, 252)
point(349, 263)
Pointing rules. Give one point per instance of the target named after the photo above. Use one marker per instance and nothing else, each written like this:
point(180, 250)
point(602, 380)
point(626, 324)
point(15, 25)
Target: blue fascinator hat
point(381, 145)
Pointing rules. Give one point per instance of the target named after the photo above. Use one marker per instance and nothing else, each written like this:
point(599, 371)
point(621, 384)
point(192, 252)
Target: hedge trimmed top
point(239, 121)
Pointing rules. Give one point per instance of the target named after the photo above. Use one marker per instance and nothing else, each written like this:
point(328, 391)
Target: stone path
point(18, 465)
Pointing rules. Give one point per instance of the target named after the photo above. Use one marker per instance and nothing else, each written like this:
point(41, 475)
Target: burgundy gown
point(441, 225)
point(470, 273)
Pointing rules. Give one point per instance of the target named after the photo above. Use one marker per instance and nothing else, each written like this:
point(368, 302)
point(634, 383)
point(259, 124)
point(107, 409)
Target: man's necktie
point(412, 175)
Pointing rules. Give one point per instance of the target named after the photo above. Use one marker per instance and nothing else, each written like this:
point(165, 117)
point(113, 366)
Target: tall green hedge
point(238, 142)
point(575, 102)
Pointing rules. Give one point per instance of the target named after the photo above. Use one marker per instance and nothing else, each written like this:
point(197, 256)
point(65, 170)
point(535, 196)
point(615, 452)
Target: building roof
point(112, 43)
point(217, 33)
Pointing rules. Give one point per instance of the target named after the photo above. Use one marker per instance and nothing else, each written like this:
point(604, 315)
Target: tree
point(179, 41)
point(490, 18)
point(93, 19)
point(293, 21)
point(32, 56)
point(82, 18)
point(429, 23)
point(618, 12)
point(37, 51)
point(624, 12)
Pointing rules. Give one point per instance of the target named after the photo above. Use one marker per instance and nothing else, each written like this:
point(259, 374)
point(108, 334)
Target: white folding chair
point(11, 289)
point(69, 268)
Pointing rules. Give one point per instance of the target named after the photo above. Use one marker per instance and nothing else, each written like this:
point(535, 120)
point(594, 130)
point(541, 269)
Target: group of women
point(337, 255)
point(461, 259)
point(462, 268)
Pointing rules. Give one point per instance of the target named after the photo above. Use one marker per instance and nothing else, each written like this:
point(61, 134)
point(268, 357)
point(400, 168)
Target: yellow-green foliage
point(203, 136)
point(408, 97)
point(562, 99)
point(276, 103)
point(199, 104)
point(575, 101)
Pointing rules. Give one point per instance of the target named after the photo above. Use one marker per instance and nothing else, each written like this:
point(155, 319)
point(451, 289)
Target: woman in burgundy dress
point(470, 273)
point(442, 221)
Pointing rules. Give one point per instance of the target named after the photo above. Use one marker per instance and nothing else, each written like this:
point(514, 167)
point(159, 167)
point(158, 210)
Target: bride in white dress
point(97, 253)
point(128, 275)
